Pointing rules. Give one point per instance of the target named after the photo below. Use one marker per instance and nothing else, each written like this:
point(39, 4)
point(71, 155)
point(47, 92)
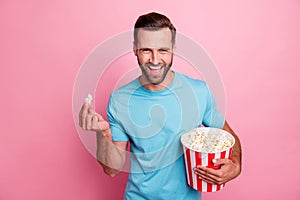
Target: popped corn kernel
point(88, 99)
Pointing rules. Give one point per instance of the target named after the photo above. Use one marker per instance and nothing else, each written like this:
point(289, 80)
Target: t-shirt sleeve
point(212, 115)
point(117, 131)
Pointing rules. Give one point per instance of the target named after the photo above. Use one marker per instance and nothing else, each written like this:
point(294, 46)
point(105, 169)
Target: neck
point(157, 87)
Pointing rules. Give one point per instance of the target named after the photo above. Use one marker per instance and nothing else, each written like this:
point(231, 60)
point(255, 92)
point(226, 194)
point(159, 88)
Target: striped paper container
point(193, 158)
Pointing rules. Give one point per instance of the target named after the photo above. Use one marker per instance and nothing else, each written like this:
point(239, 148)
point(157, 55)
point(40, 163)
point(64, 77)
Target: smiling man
point(154, 52)
point(151, 113)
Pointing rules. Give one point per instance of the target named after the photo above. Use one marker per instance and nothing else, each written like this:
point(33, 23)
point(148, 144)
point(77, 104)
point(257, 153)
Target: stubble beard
point(153, 79)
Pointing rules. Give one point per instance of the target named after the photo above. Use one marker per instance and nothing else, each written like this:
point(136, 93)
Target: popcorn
point(208, 142)
point(200, 147)
point(88, 99)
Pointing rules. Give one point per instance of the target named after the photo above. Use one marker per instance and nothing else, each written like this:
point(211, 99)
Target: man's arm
point(111, 155)
point(229, 168)
point(236, 155)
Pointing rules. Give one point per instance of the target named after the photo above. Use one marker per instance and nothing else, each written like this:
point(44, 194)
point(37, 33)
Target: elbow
point(109, 171)
point(111, 174)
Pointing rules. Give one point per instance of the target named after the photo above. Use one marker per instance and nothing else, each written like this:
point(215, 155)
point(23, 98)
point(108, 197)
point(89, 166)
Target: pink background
point(255, 45)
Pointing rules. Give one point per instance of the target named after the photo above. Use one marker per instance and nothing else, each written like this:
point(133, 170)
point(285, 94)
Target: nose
point(155, 57)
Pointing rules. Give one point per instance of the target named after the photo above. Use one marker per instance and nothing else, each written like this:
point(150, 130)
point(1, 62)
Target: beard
point(155, 74)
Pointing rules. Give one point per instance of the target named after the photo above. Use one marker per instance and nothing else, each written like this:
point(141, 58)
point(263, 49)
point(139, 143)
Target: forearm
point(109, 156)
point(236, 155)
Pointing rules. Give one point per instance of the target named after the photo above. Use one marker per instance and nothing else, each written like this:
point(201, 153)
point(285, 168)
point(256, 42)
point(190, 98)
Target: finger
point(206, 179)
point(95, 123)
point(80, 119)
point(203, 174)
point(222, 161)
point(91, 110)
point(210, 180)
point(88, 121)
point(100, 122)
point(207, 172)
point(202, 169)
point(83, 114)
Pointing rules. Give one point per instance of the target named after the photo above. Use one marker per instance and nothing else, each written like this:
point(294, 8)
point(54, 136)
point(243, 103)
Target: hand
point(228, 171)
point(92, 121)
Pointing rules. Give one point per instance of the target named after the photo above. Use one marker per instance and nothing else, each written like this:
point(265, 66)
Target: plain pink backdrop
point(255, 45)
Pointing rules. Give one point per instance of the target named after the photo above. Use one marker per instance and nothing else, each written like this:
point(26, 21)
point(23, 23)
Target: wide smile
point(155, 70)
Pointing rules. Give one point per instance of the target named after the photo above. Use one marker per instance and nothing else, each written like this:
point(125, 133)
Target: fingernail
point(214, 161)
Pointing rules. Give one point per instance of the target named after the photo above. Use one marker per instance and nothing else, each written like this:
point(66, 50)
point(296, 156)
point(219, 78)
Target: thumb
point(99, 116)
point(220, 161)
point(103, 125)
point(105, 129)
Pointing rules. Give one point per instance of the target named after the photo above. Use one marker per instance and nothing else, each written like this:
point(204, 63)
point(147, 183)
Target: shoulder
point(125, 90)
point(194, 83)
point(119, 97)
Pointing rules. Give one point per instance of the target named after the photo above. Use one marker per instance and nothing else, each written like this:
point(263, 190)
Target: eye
point(145, 50)
point(163, 50)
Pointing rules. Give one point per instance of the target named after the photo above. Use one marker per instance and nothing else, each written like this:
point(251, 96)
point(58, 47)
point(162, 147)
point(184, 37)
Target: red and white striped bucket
point(194, 158)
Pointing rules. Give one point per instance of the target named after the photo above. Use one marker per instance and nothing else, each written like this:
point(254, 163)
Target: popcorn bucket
point(200, 147)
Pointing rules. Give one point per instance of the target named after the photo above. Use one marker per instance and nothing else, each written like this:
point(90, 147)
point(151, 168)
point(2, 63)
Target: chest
point(152, 122)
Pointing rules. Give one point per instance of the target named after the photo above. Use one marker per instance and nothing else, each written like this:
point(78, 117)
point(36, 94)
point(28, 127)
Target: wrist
point(238, 167)
point(102, 135)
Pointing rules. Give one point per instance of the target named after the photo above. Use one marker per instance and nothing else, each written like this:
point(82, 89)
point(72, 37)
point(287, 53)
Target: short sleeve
point(212, 115)
point(117, 131)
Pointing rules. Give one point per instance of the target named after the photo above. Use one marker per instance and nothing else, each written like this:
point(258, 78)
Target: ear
point(134, 47)
point(174, 47)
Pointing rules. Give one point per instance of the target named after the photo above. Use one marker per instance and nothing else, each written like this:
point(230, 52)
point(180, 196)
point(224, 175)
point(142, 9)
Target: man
point(151, 113)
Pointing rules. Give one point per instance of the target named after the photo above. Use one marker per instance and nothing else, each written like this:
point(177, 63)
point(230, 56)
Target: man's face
point(154, 52)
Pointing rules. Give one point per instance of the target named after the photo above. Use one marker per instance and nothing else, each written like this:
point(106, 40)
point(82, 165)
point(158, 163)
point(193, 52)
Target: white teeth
point(155, 68)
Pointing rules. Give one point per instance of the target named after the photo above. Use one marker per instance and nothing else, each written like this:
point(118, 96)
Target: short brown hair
point(154, 21)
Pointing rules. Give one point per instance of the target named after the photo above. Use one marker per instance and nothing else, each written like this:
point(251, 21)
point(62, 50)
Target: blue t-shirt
point(153, 121)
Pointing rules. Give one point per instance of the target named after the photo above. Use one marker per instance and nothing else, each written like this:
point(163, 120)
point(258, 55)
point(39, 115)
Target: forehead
point(154, 39)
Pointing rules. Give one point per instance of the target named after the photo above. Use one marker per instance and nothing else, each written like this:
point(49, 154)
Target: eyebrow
point(148, 48)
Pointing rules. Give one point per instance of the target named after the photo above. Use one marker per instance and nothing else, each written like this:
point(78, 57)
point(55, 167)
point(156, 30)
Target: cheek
point(143, 59)
point(167, 59)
